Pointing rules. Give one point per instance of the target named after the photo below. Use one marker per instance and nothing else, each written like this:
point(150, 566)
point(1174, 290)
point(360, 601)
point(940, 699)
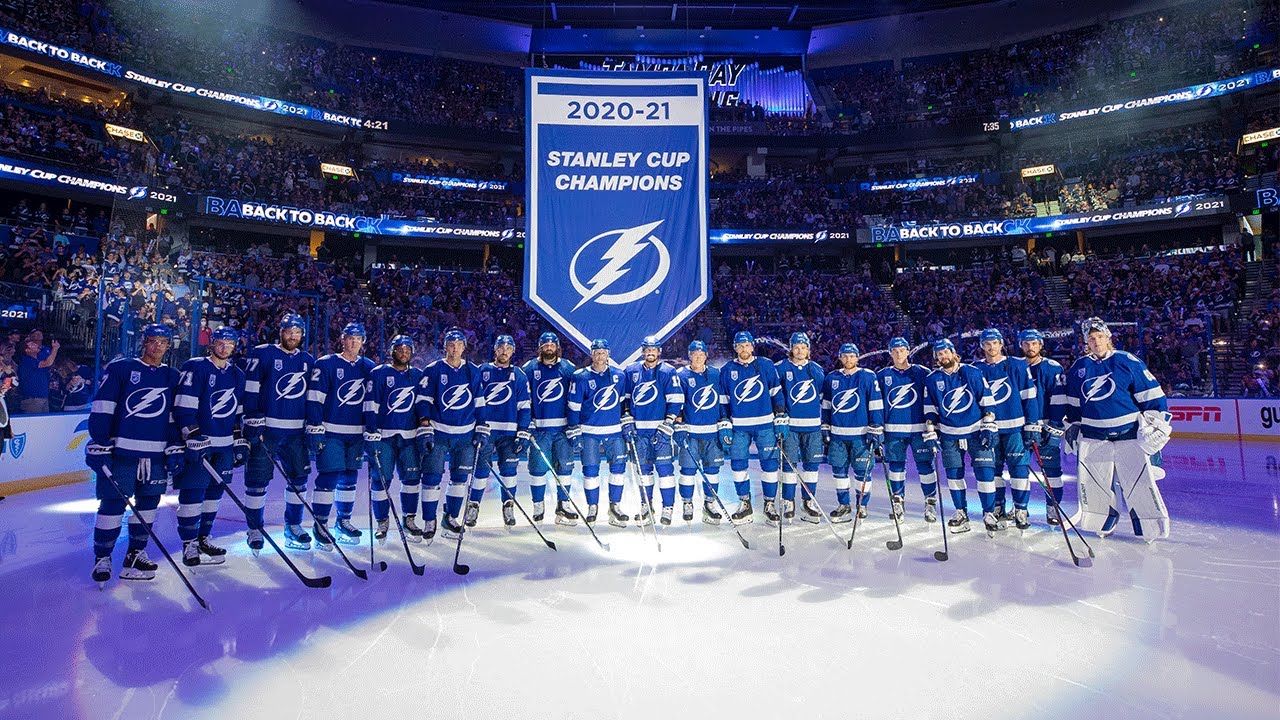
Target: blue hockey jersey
point(595, 400)
point(751, 393)
point(802, 393)
point(506, 398)
point(134, 408)
point(275, 386)
point(1013, 393)
point(549, 392)
point(210, 398)
point(1106, 396)
point(702, 408)
point(1050, 380)
point(335, 394)
point(851, 402)
point(450, 397)
point(391, 401)
point(955, 402)
point(903, 392)
point(653, 393)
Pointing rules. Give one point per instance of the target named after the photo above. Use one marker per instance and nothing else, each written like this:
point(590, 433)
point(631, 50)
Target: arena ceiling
point(722, 15)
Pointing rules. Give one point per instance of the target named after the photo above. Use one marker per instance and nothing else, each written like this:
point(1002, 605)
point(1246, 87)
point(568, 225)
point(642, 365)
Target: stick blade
point(462, 569)
point(745, 544)
point(418, 569)
point(1082, 562)
point(941, 556)
point(894, 544)
point(550, 544)
point(319, 582)
point(382, 566)
point(782, 550)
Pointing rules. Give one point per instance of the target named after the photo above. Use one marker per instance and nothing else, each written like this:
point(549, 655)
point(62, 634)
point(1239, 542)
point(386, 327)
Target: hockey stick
point(777, 508)
point(323, 581)
point(945, 553)
point(551, 468)
point(1062, 516)
point(496, 474)
point(805, 489)
point(698, 464)
point(461, 568)
point(106, 471)
point(897, 525)
point(358, 572)
point(645, 505)
point(857, 506)
point(395, 516)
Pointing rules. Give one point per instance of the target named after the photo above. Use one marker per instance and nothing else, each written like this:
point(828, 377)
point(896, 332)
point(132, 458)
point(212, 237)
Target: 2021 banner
point(617, 196)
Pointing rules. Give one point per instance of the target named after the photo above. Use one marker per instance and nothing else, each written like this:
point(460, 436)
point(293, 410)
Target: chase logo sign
point(617, 242)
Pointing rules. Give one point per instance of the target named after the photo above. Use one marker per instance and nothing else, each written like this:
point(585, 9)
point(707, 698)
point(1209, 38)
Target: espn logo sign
point(1194, 413)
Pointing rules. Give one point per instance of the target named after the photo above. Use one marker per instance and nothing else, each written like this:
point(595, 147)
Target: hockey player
point(596, 397)
point(1050, 379)
point(549, 378)
point(208, 409)
point(1117, 419)
point(702, 431)
point(655, 400)
point(1017, 410)
point(335, 434)
point(902, 384)
point(801, 380)
point(132, 438)
point(753, 402)
point(958, 404)
point(450, 401)
point(507, 415)
point(853, 420)
point(391, 425)
point(275, 399)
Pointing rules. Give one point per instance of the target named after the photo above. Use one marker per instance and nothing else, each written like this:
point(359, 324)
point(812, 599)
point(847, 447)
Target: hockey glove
point(197, 449)
point(930, 438)
point(239, 452)
point(255, 430)
point(988, 431)
point(480, 436)
point(628, 426)
point(315, 439)
point(1071, 438)
point(875, 437)
point(781, 426)
point(680, 434)
point(174, 460)
point(522, 441)
point(573, 434)
point(1154, 430)
point(97, 457)
point(668, 426)
point(725, 429)
point(826, 435)
point(371, 442)
point(425, 439)
point(1031, 433)
point(1052, 435)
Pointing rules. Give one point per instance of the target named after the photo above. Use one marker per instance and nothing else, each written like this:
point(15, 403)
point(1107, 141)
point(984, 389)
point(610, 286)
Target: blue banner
point(36, 174)
point(918, 183)
point(253, 102)
point(617, 198)
point(730, 236)
point(1181, 95)
point(450, 183)
point(999, 227)
point(254, 210)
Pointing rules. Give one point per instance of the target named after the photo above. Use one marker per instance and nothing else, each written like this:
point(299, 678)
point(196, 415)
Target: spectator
point(34, 375)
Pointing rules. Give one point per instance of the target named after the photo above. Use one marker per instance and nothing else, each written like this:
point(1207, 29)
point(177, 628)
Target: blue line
point(684, 90)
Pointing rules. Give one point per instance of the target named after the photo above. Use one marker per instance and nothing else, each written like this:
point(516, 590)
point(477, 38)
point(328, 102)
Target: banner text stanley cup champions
point(617, 192)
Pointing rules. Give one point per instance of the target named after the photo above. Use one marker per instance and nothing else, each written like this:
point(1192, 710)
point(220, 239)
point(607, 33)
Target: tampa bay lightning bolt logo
point(138, 192)
point(1204, 90)
point(645, 393)
point(606, 398)
point(498, 394)
point(749, 390)
point(705, 398)
point(551, 391)
point(846, 401)
point(1181, 209)
point(222, 404)
point(291, 386)
point(1001, 390)
point(400, 401)
point(351, 392)
point(627, 244)
point(803, 392)
point(146, 403)
point(1099, 388)
point(457, 397)
point(903, 396)
point(957, 401)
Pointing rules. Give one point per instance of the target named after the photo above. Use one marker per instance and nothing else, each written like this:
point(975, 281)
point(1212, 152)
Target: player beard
point(549, 357)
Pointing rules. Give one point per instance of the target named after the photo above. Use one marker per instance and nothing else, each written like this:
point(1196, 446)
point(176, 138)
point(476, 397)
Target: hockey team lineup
point(451, 428)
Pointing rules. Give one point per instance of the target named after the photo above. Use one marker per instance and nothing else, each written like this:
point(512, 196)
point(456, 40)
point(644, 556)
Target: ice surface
point(1188, 627)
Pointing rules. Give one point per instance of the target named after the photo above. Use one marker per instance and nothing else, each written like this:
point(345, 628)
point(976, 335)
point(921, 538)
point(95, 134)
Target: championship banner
point(617, 198)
